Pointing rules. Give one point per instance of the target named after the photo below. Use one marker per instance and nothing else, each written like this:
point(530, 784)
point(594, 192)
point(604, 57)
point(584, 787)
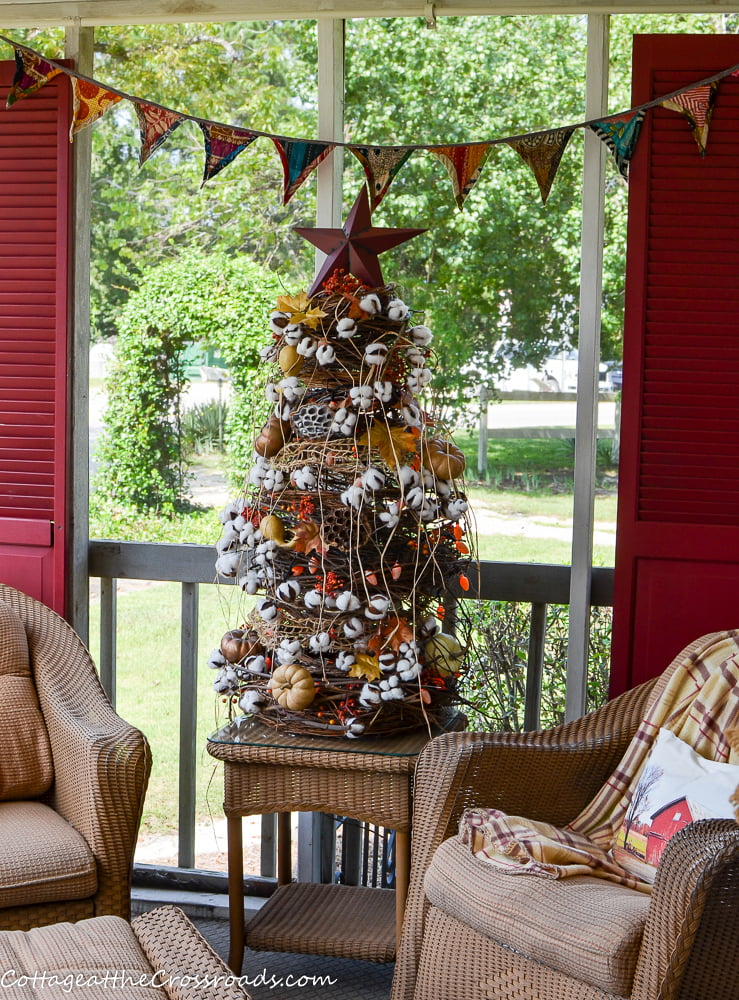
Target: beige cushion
point(585, 927)
point(44, 858)
point(25, 753)
point(100, 951)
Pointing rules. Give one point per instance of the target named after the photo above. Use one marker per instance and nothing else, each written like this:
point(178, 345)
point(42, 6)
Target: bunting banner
point(89, 102)
point(31, 73)
point(542, 151)
point(157, 125)
point(696, 106)
point(381, 165)
point(299, 159)
point(464, 165)
point(620, 133)
point(222, 145)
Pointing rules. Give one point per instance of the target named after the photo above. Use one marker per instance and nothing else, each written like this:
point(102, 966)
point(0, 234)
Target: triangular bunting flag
point(620, 134)
point(696, 106)
point(222, 145)
point(381, 165)
point(157, 125)
point(464, 165)
point(89, 102)
point(299, 158)
point(543, 152)
point(31, 73)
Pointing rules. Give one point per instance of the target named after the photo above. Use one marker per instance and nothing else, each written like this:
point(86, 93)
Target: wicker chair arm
point(549, 775)
point(689, 949)
point(101, 763)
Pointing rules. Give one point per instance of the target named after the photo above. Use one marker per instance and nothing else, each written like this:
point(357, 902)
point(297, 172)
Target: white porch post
point(591, 282)
point(78, 45)
point(316, 830)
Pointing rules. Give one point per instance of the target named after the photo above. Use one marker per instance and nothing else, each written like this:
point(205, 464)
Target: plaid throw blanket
point(697, 698)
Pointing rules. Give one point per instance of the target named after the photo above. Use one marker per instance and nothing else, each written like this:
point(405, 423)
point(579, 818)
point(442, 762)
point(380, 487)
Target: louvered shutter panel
point(34, 234)
point(677, 552)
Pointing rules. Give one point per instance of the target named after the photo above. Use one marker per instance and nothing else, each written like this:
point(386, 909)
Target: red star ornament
point(356, 245)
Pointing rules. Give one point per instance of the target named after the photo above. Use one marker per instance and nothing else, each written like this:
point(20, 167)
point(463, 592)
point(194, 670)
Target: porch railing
point(191, 566)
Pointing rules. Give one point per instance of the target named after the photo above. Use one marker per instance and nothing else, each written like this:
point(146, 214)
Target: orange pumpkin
point(292, 687)
point(237, 644)
point(445, 459)
point(272, 437)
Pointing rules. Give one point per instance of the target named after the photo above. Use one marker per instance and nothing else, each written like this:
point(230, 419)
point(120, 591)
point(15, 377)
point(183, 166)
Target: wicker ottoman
point(159, 955)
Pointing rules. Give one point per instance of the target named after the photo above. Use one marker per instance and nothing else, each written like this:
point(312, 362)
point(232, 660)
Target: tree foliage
point(212, 299)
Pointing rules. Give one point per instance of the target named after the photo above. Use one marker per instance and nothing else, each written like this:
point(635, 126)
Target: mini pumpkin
point(292, 687)
point(272, 437)
point(443, 655)
point(237, 644)
point(445, 459)
point(289, 360)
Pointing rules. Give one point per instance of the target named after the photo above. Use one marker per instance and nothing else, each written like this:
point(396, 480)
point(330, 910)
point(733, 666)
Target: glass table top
point(250, 732)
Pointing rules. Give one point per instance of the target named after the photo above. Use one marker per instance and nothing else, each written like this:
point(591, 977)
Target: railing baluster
point(188, 724)
point(535, 666)
point(108, 623)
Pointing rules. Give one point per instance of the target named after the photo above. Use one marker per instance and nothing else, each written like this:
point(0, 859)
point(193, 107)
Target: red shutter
point(677, 554)
point(34, 234)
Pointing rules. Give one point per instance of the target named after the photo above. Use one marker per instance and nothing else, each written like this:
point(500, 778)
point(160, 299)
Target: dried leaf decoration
point(298, 306)
point(307, 538)
point(397, 630)
point(391, 442)
point(366, 666)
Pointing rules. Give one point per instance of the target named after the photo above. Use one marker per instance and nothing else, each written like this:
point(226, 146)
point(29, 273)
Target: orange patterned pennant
point(543, 152)
point(697, 107)
point(464, 165)
point(89, 102)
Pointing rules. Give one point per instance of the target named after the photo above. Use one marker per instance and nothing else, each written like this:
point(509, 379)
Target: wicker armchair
point(72, 776)
point(685, 945)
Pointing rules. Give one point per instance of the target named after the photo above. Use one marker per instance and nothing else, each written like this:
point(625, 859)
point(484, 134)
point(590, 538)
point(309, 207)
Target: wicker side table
point(370, 780)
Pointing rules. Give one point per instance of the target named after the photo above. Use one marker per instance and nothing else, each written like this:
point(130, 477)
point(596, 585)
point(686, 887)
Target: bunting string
point(541, 150)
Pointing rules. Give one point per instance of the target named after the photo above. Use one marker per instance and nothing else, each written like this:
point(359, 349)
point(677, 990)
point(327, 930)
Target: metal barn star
point(356, 245)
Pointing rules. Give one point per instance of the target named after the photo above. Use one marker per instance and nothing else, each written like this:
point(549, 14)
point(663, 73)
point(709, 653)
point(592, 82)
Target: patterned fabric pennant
point(620, 134)
point(157, 125)
point(89, 102)
point(381, 164)
point(222, 145)
point(299, 159)
point(31, 73)
point(464, 165)
point(543, 152)
point(696, 106)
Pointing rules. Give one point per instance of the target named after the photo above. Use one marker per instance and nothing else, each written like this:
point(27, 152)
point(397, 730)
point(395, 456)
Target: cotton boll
point(291, 388)
point(228, 564)
point(354, 729)
point(412, 415)
point(282, 410)
point(383, 391)
point(369, 696)
point(320, 643)
point(397, 309)
point(290, 647)
point(271, 394)
point(255, 664)
point(229, 512)
point(429, 510)
point(370, 304)
point(412, 672)
point(391, 516)
point(288, 591)
point(454, 509)
point(430, 627)
point(313, 599)
point(344, 422)
point(304, 478)
point(346, 601)
point(251, 702)
point(268, 352)
point(408, 477)
point(216, 660)
point(250, 582)
point(293, 333)
point(325, 354)
point(421, 336)
point(414, 498)
point(346, 328)
point(362, 396)
point(223, 683)
point(375, 354)
point(278, 322)
point(443, 487)
point(387, 662)
point(373, 479)
point(267, 609)
point(352, 496)
point(415, 357)
point(377, 609)
point(354, 628)
point(228, 539)
point(345, 661)
point(307, 347)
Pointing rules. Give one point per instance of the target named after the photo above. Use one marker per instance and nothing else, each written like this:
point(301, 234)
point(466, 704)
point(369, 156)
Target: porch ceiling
point(93, 12)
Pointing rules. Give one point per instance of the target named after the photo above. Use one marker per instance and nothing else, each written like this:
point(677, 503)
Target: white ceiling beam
point(47, 13)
